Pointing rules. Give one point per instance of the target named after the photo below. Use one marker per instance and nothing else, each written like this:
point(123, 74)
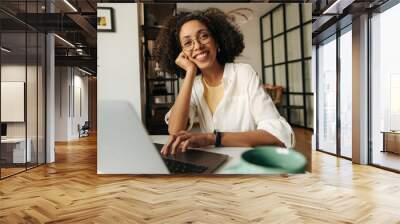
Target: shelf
point(163, 94)
point(161, 105)
point(151, 58)
point(159, 95)
point(162, 79)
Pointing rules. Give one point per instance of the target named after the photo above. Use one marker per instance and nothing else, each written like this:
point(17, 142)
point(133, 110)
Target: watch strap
point(218, 136)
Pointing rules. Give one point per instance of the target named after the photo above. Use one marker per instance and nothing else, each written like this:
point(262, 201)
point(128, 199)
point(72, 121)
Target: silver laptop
point(124, 147)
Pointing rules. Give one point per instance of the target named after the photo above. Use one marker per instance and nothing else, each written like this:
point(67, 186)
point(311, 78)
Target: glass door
point(22, 77)
point(326, 73)
point(346, 93)
point(334, 100)
point(14, 154)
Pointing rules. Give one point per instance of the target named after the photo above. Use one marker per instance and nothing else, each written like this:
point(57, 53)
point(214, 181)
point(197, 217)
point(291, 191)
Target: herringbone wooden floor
point(69, 191)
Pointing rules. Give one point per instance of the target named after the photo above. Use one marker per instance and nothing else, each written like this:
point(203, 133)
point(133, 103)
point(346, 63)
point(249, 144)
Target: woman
point(227, 97)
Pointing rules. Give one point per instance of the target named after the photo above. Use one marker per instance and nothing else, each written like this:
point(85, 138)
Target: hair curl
point(226, 34)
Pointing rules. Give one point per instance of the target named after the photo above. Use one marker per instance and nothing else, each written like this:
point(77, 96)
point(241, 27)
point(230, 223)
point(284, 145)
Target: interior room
point(155, 90)
point(25, 67)
point(59, 65)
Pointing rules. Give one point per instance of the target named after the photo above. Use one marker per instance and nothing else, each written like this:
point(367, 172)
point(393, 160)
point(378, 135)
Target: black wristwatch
point(218, 136)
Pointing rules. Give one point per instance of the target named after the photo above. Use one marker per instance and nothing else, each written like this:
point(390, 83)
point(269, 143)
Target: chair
point(84, 130)
point(275, 92)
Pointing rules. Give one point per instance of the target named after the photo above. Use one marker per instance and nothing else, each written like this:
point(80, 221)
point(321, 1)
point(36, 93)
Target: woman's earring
point(219, 49)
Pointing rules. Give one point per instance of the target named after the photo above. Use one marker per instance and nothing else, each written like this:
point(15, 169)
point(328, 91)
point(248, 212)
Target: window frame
point(288, 108)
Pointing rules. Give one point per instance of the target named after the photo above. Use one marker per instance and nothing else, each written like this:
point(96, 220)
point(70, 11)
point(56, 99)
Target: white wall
point(13, 83)
point(81, 103)
point(82, 82)
point(250, 30)
point(61, 104)
point(118, 79)
point(67, 114)
point(118, 57)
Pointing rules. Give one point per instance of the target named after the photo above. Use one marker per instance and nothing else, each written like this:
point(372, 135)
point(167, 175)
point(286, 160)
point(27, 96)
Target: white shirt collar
point(226, 77)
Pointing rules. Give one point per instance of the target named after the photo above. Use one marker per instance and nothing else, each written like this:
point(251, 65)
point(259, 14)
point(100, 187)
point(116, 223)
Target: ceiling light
point(84, 71)
point(337, 7)
point(241, 15)
point(331, 7)
point(80, 51)
point(70, 5)
point(5, 50)
point(65, 41)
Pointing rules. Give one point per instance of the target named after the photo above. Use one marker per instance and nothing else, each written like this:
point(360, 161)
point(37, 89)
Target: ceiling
point(75, 23)
point(328, 16)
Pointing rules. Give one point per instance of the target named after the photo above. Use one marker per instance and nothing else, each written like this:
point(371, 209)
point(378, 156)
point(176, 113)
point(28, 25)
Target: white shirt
point(245, 106)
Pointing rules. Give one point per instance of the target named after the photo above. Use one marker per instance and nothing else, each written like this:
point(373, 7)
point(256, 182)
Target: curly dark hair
point(226, 34)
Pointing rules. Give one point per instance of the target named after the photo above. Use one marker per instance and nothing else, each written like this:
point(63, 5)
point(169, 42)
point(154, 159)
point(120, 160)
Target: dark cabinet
point(161, 87)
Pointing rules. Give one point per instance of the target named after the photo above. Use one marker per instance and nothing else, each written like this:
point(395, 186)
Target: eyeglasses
point(202, 38)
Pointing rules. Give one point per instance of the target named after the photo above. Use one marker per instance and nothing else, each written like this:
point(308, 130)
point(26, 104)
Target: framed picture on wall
point(105, 19)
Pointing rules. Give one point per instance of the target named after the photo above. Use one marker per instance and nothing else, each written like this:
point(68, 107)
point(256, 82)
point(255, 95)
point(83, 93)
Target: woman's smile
point(201, 56)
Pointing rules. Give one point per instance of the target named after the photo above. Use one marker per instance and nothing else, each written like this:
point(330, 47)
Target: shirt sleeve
point(192, 112)
point(265, 113)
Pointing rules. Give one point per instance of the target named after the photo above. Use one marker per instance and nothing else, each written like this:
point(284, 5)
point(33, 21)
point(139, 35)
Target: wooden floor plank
point(70, 191)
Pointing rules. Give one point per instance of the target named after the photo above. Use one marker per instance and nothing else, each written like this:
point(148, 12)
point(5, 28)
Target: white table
point(18, 149)
point(233, 152)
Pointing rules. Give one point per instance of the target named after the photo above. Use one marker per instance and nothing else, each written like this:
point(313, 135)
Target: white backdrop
point(12, 101)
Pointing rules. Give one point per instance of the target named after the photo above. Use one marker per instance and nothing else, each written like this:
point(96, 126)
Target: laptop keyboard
point(177, 167)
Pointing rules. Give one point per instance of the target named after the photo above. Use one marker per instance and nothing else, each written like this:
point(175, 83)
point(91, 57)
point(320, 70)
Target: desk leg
point(384, 142)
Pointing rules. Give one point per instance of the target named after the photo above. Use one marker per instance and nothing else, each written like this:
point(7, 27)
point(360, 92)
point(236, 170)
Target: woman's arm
point(183, 140)
point(265, 113)
point(179, 116)
point(249, 139)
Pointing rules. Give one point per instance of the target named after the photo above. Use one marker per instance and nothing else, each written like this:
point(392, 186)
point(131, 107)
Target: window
point(385, 89)
point(327, 96)
point(334, 85)
point(286, 51)
point(346, 93)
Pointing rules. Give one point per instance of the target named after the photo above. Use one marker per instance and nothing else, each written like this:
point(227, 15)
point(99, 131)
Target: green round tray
point(269, 160)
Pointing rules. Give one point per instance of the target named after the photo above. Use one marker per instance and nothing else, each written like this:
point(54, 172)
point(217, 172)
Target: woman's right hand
point(185, 63)
point(179, 116)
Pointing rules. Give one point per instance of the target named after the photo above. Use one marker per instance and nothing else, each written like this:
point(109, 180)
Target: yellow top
point(213, 95)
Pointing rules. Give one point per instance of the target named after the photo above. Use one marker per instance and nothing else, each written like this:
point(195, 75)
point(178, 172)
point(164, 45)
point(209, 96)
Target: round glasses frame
point(203, 38)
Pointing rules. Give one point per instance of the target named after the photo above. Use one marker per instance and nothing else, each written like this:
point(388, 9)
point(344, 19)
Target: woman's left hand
point(182, 140)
